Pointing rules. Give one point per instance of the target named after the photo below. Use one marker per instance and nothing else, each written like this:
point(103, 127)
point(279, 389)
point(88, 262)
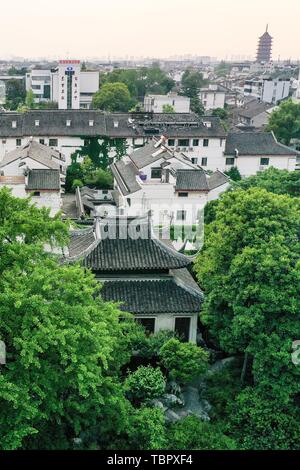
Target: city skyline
point(118, 29)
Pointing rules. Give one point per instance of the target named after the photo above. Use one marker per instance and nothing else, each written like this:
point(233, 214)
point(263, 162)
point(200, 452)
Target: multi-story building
point(67, 85)
point(35, 170)
point(251, 152)
point(156, 103)
point(268, 90)
point(153, 178)
point(264, 49)
point(212, 97)
point(66, 131)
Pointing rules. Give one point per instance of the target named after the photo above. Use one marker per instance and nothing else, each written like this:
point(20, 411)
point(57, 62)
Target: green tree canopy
point(275, 181)
point(113, 97)
point(15, 93)
point(65, 346)
point(285, 122)
point(191, 83)
point(167, 108)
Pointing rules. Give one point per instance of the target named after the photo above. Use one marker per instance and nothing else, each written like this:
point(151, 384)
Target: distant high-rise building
point(264, 50)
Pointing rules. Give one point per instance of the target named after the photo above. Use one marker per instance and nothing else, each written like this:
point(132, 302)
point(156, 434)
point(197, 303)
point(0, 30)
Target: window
point(195, 142)
point(36, 87)
point(171, 142)
point(18, 142)
point(68, 122)
point(129, 201)
point(53, 143)
point(181, 215)
point(42, 141)
point(264, 161)
point(229, 161)
point(91, 123)
point(205, 142)
point(36, 123)
point(183, 142)
point(194, 160)
point(204, 161)
point(183, 194)
point(3, 141)
point(14, 124)
point(182, 328)
point(155, 173)
point(36, 193)
point(148, 324)
point(47, 92)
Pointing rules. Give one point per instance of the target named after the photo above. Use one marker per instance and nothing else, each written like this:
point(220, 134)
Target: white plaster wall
point(166, 321)
point(251, 165)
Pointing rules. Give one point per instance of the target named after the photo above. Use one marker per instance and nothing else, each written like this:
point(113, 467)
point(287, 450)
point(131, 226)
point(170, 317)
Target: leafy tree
point(285, 122)
point(197, 107)
point(234, 174)
point(65, 346)
point(223, 68)
point(264, 423)
point(221, 113)
point(15, 93)
point(29, 101)
point(167, 108)
point(112, 97)
point(147, 429)
point(193, 434)
point(191, 83)
point(146, 383)
point(184, 361)
point(275, 181)
point(249, 269)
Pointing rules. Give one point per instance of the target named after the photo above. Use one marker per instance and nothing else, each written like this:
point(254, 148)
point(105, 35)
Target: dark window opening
point(205, 142)
point(229, 161)
point(156, 173)
point(171, 142)
point(148, 324)
point(195, 142)
point(264, 161)
point(183, 142)
point(182, 328)
point(36, 193)
point(183, 194)
point(53, 142)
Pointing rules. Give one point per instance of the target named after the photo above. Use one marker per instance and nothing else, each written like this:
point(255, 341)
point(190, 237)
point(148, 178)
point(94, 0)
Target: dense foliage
point(112, 97)
point(146, 383)
point(285, 122)
point(250, 272)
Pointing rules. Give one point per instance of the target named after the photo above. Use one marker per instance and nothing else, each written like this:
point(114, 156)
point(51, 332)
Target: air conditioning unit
point(191, 149)
point(262, 167)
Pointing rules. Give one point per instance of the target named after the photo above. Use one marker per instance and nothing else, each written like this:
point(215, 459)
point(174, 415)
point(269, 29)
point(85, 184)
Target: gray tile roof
point(217, 179)
point(256, 143)
point(52, 123)
point(145, 155)
point(43, 180)
point(152, 296)
point(253, 108)
point(36, 151)
point(125, 173)
point(191, 180)
point(123, 248)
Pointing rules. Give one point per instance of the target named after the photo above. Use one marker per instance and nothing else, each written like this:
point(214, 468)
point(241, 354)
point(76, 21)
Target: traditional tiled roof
point(191, 180)
point(152, 296)
point(217, 179)
point(128, 246)
point(43, 180)
point(125, 174)
point(92, 123)
point(256, 143)
point(148, 154)
point(36, 151)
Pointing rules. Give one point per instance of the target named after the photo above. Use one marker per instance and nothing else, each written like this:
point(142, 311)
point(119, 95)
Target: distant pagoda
point(264, 50)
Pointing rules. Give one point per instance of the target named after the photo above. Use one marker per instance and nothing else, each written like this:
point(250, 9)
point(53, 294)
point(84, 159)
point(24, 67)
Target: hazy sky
point(160, 28)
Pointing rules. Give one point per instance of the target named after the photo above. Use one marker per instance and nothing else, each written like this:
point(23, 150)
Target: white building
point(67, 85)
point(153, 178)
point(35, 170)
point(67, 131)
point(251, 152)
point(268, 90)
point(212, 97)
point(156, 103)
